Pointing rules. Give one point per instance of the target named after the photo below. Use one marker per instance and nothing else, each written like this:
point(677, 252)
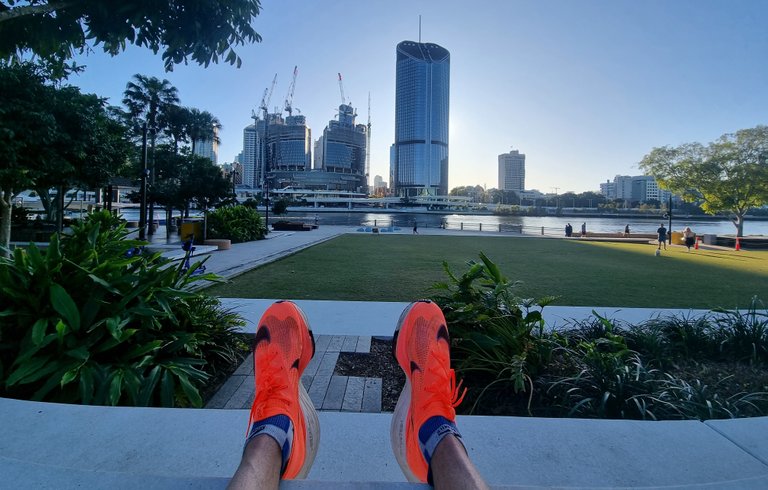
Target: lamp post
point(143, 202)
point(669, 211)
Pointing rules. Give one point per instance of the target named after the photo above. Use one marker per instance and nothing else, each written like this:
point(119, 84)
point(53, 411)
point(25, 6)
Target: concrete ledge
point(221, 243)
point(47, 445)
point(378, 318)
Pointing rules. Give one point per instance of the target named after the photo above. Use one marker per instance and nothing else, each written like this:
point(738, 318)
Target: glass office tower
point(420, 153)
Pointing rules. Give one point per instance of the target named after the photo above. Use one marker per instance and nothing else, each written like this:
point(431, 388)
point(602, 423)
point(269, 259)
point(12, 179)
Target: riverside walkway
point(48, 445)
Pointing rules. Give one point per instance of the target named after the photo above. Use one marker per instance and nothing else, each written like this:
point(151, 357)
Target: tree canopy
point(52, 136)
point(727, 175)
point(204, 30)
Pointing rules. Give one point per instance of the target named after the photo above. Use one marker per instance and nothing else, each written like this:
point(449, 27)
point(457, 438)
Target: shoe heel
point(312, 424)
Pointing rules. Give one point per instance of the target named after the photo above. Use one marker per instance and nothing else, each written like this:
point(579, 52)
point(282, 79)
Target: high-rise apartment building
point(209, 148)
point(512, 171)
point(250, 154)
point(420, 159)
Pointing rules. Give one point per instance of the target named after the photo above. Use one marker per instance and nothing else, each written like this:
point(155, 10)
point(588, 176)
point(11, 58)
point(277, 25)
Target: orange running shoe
point(284, 347)
point(421, 347)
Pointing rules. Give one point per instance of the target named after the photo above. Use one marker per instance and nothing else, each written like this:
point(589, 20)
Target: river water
point(553, 225)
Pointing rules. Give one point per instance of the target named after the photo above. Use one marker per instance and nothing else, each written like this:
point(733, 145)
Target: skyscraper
point(342, 149)
point(209, 148)
point(420, 157)
point(512, 171)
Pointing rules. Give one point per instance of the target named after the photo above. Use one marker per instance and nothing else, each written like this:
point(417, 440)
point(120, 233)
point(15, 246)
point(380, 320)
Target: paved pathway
point(327, 391)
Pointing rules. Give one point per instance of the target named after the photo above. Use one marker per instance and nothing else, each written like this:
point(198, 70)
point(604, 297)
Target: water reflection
point(530, 224)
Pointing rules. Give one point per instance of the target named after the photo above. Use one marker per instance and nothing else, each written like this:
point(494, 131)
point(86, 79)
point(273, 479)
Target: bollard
point(481, 227)
point(542, 230)
point(738, 244)
point(499, 227)
point(462, 226)
point(696, 243)
point(374, 224)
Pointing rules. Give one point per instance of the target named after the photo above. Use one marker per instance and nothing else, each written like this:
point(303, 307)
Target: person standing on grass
point(626, 230)
point(568, 230)
point(415, 228)
point(662, 232)
point(583, 229)
point(689, 236)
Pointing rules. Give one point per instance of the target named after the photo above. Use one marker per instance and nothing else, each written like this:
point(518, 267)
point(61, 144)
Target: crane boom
point(341, 89)
point(291, 88)
point(267, 97)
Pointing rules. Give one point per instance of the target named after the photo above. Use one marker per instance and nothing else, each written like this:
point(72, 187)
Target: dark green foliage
point(744, 334)
point(85, 322)
point(495, 333)
point(236, 223)
point(280, 206)
point(595, 368)
point(204, 30)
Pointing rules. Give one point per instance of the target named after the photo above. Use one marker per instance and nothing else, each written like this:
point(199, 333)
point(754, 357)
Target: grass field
point(404, 267)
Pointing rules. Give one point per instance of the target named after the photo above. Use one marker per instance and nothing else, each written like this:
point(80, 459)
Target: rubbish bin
point(192, 227)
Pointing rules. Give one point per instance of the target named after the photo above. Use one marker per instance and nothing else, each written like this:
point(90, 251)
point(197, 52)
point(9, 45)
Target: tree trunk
point(168, 217)
point(6, 202)
point(60, 210)
point(738, 222)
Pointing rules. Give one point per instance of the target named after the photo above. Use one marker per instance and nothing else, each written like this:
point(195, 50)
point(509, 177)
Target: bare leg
point(452, 469)
point(260, 466)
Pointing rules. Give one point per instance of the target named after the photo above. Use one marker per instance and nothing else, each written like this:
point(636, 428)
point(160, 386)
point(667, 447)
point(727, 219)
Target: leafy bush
point(744, 335)
point(87, 322)
point(597, 368)
point(236, 223)
point(495, 333)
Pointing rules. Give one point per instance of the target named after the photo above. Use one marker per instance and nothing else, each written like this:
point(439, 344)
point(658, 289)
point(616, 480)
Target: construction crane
point(368, 143)
point(267, 97)
point(341, 89)
point(291, 88)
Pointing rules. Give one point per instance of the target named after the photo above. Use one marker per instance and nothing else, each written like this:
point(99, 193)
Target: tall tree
point(52, 137)
point(727, 175)
point(202, 126)
point(203, 30)
point(149, 100)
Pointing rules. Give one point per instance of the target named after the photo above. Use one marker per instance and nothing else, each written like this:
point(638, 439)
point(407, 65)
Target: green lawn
point(403, 267)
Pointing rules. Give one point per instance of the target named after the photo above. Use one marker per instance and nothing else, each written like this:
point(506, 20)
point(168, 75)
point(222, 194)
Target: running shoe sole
point(399, 417)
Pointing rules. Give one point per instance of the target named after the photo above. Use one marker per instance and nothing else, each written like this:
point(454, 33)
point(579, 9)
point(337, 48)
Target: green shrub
point(744, 335)
point(236, 223)
point(496, 335)
point(87, 322)
point(595, 368)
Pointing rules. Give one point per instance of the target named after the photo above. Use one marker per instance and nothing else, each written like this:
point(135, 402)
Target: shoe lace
point(272, 388)
point(442, 386)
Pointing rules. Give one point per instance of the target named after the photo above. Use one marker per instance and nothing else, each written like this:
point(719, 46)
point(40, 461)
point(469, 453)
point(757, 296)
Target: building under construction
point(279, 154)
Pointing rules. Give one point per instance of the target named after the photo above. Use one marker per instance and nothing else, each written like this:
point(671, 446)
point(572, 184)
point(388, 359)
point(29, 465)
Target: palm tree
point(149, 100)
point(202, 126)
point(176, 123)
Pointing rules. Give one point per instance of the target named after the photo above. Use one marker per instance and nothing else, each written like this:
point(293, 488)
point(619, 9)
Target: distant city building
point(289, 144)
point(209, 148)
point(636, 188)
point(379, 186)
point(512, 171)
point(249, 155)
point(422, 86)
point(343, 149)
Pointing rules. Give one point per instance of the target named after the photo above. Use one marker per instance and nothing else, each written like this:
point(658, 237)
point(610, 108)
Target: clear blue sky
point(583, 88)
